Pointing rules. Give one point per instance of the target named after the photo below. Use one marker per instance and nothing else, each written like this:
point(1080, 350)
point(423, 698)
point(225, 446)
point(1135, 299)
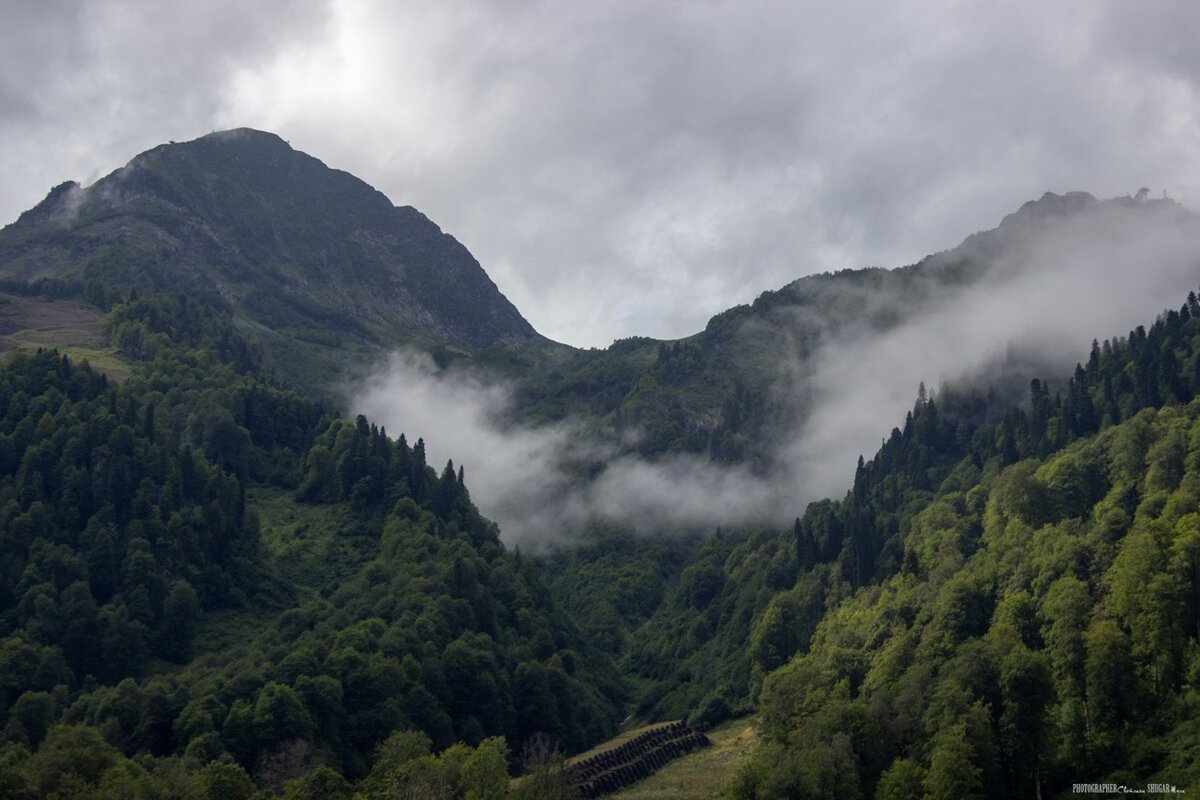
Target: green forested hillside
point(209, 583)
point(148, 609)
point(1040, 631)
point(1004, 602)
point(212, 586)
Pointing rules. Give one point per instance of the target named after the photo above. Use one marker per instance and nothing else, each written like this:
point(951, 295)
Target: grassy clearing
point(77, 330)
point(313, 548)
point(704, 773)
point(316, 547)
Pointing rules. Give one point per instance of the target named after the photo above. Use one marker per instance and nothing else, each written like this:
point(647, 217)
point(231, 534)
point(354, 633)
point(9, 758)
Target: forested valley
point(215, 583)
point(1005, 601)
point(144, 619)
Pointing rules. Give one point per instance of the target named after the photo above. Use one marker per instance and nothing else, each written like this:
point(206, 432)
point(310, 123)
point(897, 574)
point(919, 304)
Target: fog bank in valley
point(540, 482)
point(1048, 287)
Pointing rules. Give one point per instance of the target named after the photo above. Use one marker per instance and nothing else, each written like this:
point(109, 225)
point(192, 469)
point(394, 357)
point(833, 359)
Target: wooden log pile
point(638, 758)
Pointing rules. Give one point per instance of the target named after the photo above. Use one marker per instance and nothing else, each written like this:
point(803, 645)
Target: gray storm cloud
point(626, 167)
point(1051, 292)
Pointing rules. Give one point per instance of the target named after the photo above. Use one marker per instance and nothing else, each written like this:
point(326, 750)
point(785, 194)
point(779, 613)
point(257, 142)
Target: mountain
point(754, 373)
point(777, 399)
point(314, 263)
point(211, 586)
point(207, 572)
point(996, 606)
point(327, 276)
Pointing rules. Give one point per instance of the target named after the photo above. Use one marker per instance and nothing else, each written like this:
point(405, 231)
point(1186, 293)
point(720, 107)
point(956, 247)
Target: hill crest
point(298, 250)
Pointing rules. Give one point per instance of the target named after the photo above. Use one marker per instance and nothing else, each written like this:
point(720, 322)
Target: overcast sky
point(631, 168)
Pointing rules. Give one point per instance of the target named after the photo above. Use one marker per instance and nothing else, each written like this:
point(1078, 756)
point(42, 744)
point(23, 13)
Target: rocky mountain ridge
point(307, 257)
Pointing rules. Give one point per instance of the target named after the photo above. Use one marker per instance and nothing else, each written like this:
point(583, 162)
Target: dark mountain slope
point(751, 375)
point(313, 260)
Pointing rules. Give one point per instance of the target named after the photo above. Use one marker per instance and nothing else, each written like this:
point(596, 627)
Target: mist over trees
point(128, 535)
point(216, 582)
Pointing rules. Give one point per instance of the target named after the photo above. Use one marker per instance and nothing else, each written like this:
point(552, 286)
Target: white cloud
point(548, 483)
point(1055, 289)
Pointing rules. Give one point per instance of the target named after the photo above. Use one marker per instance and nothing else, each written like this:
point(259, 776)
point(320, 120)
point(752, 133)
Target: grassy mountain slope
point(72, 327)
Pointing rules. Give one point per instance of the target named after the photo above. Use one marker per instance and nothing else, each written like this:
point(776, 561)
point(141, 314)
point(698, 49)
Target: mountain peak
point(1051, 205)
point(241, 143)
point(292, 245)
point(243, 135)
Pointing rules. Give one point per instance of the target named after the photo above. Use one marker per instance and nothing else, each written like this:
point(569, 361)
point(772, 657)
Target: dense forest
point(214, 584)
point(1006, 602)
point(143, 618)
point(1021, 596)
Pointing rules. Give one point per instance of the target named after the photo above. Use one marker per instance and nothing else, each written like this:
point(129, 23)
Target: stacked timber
point(637, 758)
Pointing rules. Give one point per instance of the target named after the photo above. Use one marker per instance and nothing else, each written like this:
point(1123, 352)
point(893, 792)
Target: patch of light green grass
point(702, 774)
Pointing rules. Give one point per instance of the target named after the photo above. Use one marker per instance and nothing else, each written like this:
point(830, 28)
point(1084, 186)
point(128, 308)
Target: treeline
point(1075, 465)
point(94, 292)
point(77, 762)
point(1014, 599)
point(863, 533)
point(125, 529)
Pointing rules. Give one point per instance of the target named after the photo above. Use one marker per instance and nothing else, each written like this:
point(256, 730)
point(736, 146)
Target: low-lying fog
point(1057, 287)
